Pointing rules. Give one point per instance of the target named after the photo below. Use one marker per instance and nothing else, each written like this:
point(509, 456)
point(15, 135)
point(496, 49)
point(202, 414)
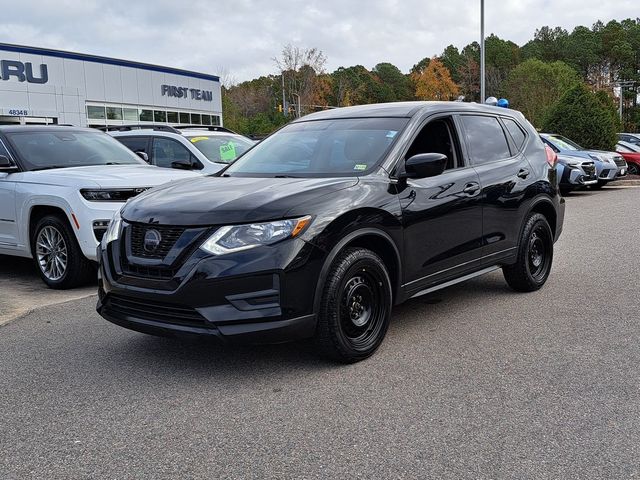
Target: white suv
point(200, 148)
point(59, 188)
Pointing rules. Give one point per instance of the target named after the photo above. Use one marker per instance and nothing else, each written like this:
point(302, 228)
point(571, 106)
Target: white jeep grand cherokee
point(59, 188)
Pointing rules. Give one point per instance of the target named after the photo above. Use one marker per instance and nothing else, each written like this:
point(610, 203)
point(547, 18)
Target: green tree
point(581, 115)
point(453, 60)
point(392, 78)
point(534, 86)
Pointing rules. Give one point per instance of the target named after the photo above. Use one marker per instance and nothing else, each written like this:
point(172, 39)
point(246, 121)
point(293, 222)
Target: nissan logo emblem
point(152, 239)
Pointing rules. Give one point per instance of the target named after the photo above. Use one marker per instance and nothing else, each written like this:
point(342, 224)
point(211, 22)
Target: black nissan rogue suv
point(325, 225)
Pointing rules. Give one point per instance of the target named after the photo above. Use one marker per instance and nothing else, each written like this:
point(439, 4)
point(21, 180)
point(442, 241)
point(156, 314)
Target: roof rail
point(211, 128)
point(126, 128)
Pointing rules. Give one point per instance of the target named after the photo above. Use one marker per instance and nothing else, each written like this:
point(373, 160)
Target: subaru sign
point(22, 71)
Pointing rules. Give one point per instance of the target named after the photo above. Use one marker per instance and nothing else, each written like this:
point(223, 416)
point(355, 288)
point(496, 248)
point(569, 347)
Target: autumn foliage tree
point(434, 82)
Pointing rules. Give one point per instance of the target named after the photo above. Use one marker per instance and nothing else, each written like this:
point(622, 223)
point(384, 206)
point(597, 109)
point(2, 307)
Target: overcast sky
point(240, 37)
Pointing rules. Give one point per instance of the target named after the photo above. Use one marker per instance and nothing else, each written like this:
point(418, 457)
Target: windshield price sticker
point(228, 152)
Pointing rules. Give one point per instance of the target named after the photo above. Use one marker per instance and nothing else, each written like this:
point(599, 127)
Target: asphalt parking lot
point(471, 382)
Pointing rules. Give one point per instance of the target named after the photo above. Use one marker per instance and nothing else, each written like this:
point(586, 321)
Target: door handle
point(471, 188)
point(523, 173)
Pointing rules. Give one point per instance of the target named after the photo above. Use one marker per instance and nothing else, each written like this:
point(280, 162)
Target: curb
point(4, 321)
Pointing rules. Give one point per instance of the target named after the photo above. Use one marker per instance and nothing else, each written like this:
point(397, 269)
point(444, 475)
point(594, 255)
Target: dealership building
point(44, 86)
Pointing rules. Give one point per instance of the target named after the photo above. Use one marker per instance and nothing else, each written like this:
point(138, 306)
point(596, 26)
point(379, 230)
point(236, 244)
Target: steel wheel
point(361, 311)
point(51, 253)
point(538, 253)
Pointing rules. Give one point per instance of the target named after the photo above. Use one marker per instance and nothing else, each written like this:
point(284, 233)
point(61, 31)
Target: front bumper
point(262, 295)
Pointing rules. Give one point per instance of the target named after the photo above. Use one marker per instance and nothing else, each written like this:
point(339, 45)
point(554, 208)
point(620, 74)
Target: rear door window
point(486, 140)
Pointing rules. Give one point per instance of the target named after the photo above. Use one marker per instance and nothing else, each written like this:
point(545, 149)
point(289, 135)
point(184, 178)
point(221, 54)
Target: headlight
point(113, 231)
point(109, 195)
point(234, 238)
point(599, 159)
point(573, 164)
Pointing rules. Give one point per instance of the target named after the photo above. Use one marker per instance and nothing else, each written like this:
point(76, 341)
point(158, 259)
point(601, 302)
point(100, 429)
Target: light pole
point(482, 86)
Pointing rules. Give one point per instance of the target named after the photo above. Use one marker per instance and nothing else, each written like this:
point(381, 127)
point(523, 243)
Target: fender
point(537, 200)
point(340, 245)
point(40, 201)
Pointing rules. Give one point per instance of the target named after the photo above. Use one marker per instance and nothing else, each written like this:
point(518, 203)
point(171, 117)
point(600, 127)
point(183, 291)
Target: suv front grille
point(155, 311)
point(168, 238)
point(589, 168)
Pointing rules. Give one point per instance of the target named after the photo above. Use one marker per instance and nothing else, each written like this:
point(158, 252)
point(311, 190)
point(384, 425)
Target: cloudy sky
point(238, 38)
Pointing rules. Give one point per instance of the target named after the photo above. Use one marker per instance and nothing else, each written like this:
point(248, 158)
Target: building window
point(195, 119)
point(114, 113)
point(159, 116)
point(172, 117)
point(216, 120)
point(146, 115)
point(184, 117)
point(96, 113)
point(206, 119)
point(130, 114)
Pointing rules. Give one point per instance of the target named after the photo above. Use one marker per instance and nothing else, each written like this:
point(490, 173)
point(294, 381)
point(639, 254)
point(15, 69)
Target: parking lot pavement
point(22, 290)
point(471, 382)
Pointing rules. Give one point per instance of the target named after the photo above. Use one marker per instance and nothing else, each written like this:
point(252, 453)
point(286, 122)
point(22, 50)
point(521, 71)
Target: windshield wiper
point(49, 167)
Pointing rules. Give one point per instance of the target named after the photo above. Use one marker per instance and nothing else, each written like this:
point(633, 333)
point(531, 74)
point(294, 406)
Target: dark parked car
point(325, 225)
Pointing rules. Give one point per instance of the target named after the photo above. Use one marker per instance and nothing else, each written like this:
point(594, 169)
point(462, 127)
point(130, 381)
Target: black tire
point(564, 191)
point(355, 308)
point(599, 185)
point(77, 269)
point(535, 256)
point(634, 169)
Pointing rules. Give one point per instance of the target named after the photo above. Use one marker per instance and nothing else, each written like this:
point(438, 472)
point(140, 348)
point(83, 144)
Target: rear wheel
point(57, 255)
point(535, 256)
point(355, 308)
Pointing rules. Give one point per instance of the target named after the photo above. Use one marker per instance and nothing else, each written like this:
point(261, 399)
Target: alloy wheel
point(51, 252)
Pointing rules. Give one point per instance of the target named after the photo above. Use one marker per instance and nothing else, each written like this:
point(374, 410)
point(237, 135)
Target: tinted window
point(321, 148)
point(172, 117)
point(146, 115)
point(159, 116)
point(95, 112)
point(166, 151)
point(41, 150)
point(135, 144)
point(195, 118)
point(515, 131)
point(485, 139)
point(184, 117)
point(114, 113)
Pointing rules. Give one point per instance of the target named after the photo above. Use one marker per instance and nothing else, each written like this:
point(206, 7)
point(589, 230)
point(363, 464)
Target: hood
point(227, 200)
point(110, 176)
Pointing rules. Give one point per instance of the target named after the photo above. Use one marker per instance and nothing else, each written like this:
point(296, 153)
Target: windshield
point(563, 143)
point(323, 148)
point(221, 148)
point(61, 149)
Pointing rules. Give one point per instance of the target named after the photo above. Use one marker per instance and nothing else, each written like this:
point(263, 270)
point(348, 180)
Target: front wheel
point(57, 255)
point(634, 169)
point(535, 256)
point(355, 308)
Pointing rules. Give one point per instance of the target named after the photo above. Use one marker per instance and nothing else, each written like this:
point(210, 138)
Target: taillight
point(552, 158)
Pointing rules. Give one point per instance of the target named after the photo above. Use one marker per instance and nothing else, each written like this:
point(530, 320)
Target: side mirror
point(182, 165)
point(6, 166)
point(143, 156)
point(425, 165)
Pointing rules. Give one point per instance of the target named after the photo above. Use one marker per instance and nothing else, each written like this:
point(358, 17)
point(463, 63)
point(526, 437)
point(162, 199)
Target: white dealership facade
point(43, 86)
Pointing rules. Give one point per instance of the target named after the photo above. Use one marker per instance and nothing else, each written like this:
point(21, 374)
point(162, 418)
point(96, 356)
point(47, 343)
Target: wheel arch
point(374, 239)
point(545, 207)
point(38, 211)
